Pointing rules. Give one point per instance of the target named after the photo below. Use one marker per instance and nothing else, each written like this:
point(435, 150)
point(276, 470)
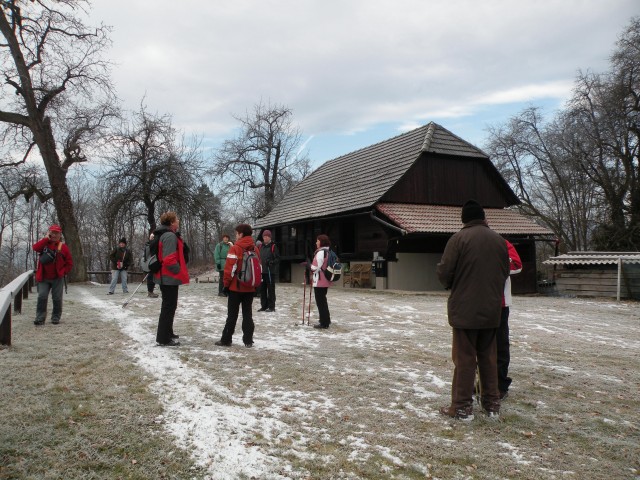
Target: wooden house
point(394, 205)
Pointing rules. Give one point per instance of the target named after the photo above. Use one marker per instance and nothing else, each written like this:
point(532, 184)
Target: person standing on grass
point(54, 263)
point(120, 260)
point(220, 257)
point(270, 258)
point(172, 274)
point(144, 264)
point(238, 295)
point(502, 336)
point(475, 266)
point(320, 282)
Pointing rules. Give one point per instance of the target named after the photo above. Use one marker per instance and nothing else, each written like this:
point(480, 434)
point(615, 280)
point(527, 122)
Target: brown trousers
point(470, 349)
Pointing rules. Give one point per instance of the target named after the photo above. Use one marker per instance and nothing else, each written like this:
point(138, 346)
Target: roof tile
point(359, 179)
point(415, 218)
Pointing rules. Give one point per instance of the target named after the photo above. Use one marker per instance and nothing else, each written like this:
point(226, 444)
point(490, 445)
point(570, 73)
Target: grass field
point(95, 398)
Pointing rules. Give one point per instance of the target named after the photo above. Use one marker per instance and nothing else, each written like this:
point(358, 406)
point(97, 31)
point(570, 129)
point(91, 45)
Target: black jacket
point(120, 255)
point(269, 257)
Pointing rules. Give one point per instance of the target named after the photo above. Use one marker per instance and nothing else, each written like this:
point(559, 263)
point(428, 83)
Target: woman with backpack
point(320, 282)
point(173, 273)
point(237, 288)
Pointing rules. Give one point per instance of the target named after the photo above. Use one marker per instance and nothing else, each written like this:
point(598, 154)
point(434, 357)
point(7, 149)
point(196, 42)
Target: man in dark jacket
point(475, 266)
point(144, 265)
point(120, 260)
point(270, 258)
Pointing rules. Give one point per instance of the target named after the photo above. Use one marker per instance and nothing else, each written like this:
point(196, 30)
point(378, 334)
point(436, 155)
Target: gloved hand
point(270, 262)
point(218, 266)
point(225, 290)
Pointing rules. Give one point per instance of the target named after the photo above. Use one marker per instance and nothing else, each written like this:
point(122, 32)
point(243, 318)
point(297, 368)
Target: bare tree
point(606, 111)
point(265, 156)
point(52, 71)
point(149, 165)
point(580, 173)
point(536, 160)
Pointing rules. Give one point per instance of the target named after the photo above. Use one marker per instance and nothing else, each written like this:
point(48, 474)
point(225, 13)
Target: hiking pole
point(309, 310)
point(134, 292)
point(304, 295)
point(478, 388)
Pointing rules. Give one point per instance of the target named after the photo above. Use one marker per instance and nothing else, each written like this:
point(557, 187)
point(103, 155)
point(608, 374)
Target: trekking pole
point(304, 295)
point(309, 310)
point(478, 386)
point(134, 292)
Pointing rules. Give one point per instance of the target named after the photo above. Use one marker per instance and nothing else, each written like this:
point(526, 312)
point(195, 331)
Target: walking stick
point(309, 310)
point(304, 294)
point(134, 292)
point(478, 388)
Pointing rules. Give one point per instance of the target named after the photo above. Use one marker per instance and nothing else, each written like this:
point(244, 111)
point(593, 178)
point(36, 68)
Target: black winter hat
point(472, 211)
point(123, 240)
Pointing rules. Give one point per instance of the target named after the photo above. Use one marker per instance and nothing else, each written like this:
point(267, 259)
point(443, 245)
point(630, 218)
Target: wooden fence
point(13, 293)
point(598, 282)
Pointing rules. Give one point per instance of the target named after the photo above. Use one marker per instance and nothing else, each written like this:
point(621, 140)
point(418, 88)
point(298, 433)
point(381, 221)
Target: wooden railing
point(104, 276)
point(14, 292)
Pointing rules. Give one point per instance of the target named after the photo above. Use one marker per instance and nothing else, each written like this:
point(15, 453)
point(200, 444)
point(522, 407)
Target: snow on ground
point(211, 430)
point(208, 417)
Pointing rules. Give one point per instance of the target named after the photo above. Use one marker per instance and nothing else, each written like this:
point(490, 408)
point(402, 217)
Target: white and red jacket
point(320, 259)
point(234, 259)
point(515, 266)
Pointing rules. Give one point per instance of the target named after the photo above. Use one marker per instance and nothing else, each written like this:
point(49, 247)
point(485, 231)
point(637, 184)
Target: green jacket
point(220, 255)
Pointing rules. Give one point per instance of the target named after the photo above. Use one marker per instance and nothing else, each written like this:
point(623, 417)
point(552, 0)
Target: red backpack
point(250, 273)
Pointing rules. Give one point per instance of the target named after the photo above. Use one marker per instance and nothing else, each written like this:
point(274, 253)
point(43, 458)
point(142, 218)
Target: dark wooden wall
point(440, 180)
point(527, 280)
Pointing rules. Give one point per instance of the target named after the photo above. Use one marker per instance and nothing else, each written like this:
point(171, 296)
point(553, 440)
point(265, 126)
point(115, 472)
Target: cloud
point(348, 66)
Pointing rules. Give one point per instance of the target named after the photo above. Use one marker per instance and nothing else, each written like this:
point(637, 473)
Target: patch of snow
point(216, 433)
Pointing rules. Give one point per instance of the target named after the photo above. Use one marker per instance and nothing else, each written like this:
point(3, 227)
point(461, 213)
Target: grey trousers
point(56, 287)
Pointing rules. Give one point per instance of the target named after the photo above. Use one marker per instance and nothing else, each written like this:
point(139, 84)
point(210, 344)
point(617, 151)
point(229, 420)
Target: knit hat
point(55, 228)
point(123, 240)
point(266, 233)
point(472, 211)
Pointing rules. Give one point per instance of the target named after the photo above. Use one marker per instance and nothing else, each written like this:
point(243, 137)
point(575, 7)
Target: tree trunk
point(61, 198)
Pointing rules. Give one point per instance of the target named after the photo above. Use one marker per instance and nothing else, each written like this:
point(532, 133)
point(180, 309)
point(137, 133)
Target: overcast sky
point(356, 72)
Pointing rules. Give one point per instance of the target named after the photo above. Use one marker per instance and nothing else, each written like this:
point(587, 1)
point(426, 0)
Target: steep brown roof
point(446, 219)
point(359, 179)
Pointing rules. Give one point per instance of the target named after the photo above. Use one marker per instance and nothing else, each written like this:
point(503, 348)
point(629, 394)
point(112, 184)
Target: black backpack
point(334, 267)
point(153, 262)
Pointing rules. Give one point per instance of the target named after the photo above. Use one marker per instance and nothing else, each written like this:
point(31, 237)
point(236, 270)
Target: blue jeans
point(114, 280)
point(54, 286)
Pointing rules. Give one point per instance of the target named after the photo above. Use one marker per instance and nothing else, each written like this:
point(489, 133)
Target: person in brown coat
point(475, 266)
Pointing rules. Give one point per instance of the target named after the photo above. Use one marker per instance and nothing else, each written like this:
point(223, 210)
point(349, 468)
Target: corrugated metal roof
point(416, 218)
point(594, 258)
point(359, 179)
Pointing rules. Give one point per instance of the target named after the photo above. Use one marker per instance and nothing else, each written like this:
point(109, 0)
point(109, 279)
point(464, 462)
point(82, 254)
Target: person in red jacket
point(173, 273)
point(238, 294)
point(54, 262)
point(502, 335)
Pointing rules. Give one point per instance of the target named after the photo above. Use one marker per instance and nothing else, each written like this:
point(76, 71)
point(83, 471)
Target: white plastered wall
point(414, 272)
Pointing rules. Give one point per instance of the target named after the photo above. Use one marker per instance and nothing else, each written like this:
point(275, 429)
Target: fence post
point(5, 328)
